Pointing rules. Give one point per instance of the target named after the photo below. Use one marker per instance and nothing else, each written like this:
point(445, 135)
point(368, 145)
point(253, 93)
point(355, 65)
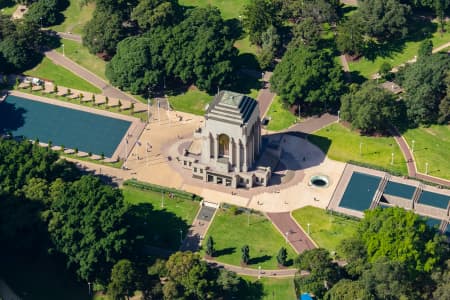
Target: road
point(87, 75)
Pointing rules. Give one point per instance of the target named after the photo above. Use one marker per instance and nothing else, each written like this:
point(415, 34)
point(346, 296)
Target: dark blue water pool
point(360, 191)
point(62, 126)
point(399, 190)
point(434, 199)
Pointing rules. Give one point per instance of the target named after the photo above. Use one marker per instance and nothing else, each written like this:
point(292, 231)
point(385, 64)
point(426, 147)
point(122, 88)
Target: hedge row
point(158, 188)
point(365, 165)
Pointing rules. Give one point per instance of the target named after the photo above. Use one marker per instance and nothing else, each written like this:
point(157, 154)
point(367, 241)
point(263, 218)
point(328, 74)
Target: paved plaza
point(153, 159)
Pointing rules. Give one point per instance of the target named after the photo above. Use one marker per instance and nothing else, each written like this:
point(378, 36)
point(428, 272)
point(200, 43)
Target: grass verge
point(326, 230)
point(280, 117)
point(231, 232)
point(431, 145)
point(272, 288)
point(183, 208)
point(77, 14)
point(402, 51)
point(342, 144)
point(80, 54)
point(61, 76)
point(193, 101)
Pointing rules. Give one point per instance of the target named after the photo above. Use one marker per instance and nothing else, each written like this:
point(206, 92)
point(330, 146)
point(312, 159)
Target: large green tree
point(259, 15)
point(424, 84)
point(200, 49)
point(402, 236)
point(103, 32)
point(384, 19)
point(153, 13)
point(123, 280)
point(86, 223)
point(370, 108)
point(308, 76)
point(137, 64)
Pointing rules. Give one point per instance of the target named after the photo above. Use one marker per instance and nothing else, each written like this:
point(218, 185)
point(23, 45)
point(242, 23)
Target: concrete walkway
point(107, 89)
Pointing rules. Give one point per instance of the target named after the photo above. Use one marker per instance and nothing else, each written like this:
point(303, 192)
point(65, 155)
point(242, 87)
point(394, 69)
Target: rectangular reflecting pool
point(89, 132)
point(360, 191)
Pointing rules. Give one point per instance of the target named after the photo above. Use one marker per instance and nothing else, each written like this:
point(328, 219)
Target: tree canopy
point(370, 108)
point(86, 223)
point(308, 76)
point(425, 87)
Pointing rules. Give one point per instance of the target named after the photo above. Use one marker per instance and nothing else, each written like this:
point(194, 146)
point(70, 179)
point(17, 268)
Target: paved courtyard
point(153, 159)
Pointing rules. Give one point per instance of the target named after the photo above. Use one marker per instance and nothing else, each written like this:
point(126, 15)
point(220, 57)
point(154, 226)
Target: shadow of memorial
point(11, 117)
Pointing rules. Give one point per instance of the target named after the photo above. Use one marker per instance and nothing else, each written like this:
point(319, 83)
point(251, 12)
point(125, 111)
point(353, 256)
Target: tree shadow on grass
point(245, 82)
point(158, 228)
point(12, 117)
point(247, 61)
point(419, 30)
point(225, 251)
point(259, 259)
point(251, 290)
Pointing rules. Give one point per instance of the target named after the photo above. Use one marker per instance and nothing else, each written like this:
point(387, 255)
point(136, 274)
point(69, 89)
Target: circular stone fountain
point(319, 181)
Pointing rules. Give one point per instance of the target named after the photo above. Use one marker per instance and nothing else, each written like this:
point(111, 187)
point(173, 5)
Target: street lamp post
point(426, 168)
point(89, 287)
point(309, 228)
point(412, 149)
point(64, 54)
point(259, 272)
point(339, 115)
point(392, 158)
point(287, 237)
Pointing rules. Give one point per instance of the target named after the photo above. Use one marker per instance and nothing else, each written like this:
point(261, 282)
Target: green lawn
point(280, 117)
point(432, 145)
point(229, 8)
point(403, 53)
point(185, 209)
point(162, 225)
point(41, 278)
point(76, 16)
point(325, 229)
point(272, 288)
point(80, 54)
point(193, 101)
point(244, 46)
point(231, 232)
point(8, 7)
point(61, 76)
point(345, 145)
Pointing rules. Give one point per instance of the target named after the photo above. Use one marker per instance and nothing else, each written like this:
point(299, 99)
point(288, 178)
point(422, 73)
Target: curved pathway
point(410, 162)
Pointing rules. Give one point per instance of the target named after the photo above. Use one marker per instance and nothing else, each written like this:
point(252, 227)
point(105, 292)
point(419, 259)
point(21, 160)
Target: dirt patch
point(430, 131)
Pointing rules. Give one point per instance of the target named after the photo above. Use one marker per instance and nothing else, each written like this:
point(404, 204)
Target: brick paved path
point(265, 96)
point(410, 163)
point(107, 89)
point(313, 124)
point(290, 229)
